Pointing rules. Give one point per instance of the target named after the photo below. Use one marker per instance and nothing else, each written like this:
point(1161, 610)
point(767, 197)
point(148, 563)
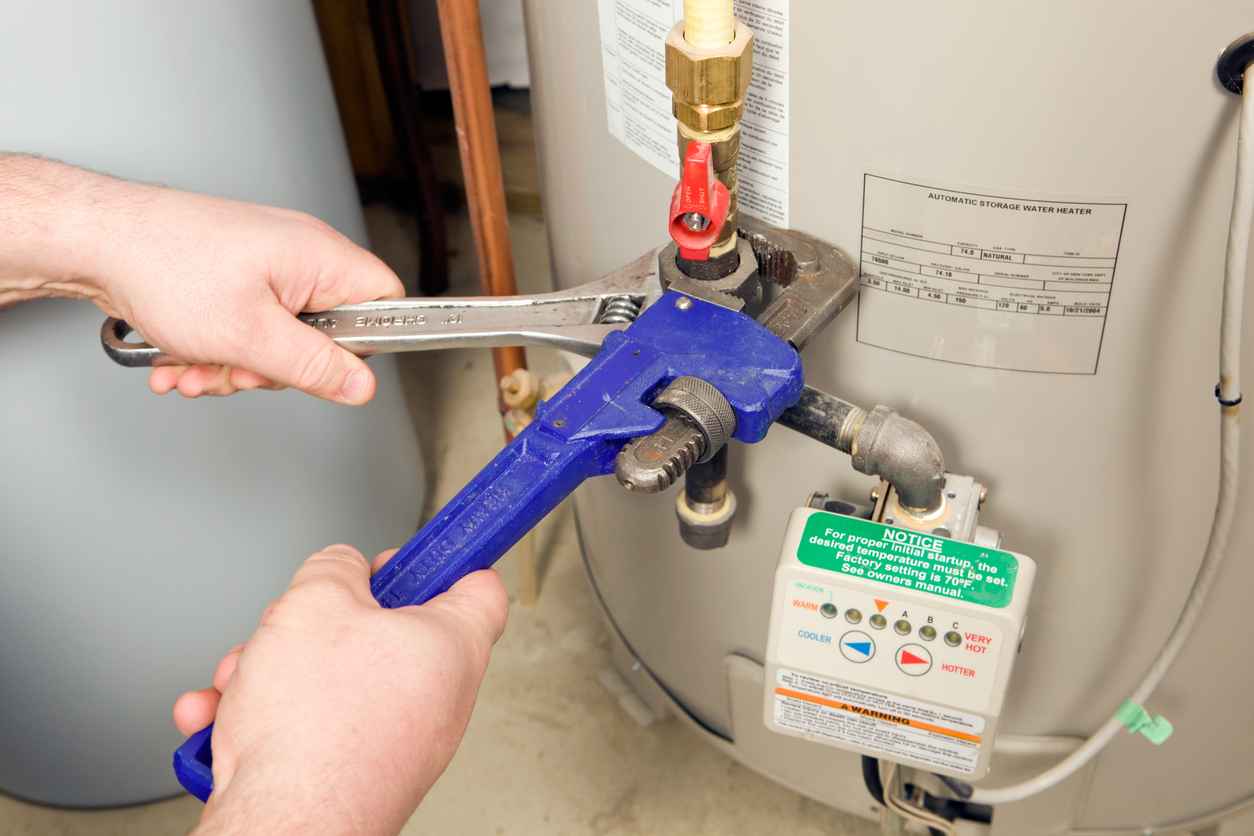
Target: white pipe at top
point(709, 24)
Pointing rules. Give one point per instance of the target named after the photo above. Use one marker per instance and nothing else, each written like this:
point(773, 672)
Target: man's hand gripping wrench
point(650, 332)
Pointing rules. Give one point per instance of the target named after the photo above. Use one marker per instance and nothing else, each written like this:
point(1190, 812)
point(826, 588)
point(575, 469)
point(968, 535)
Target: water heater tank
point(143, 536)
point(1088, 135)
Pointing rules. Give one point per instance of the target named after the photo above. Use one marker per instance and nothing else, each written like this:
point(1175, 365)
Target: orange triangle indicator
point(880, 605)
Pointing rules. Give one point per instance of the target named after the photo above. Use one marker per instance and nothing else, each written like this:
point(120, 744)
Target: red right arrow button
point(913, 659)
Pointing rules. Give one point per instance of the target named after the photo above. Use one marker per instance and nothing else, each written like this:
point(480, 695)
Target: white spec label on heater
point(638, 103)
point(892, 726)
point(1003, 282)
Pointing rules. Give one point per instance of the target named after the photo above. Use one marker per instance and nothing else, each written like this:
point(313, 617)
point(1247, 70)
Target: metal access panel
point(893, 643)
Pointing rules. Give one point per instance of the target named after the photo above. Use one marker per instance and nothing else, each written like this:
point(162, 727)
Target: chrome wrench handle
point(577, 320)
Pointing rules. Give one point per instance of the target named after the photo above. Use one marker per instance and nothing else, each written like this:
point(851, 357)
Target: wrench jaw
point(812, 281)
point(740, 290)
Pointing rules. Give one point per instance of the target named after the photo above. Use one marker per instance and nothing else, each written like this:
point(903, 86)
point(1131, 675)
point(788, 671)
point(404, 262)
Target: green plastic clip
point(1138, 721)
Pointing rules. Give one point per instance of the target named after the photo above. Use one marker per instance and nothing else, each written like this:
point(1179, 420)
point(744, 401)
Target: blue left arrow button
point(857, 646)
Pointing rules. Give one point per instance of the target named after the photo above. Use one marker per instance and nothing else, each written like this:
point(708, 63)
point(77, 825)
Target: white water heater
point(1038, 196)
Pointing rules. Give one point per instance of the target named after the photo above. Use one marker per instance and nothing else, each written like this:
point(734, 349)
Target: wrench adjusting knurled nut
point(705, 406)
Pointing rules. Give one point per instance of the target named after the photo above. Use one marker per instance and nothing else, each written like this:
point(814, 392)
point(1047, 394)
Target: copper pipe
point(462, 32)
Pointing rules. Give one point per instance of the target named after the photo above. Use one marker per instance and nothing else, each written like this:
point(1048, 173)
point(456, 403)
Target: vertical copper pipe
point(462, 32)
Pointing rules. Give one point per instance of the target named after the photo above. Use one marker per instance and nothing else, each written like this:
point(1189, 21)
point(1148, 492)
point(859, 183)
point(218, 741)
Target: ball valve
point(699, 205)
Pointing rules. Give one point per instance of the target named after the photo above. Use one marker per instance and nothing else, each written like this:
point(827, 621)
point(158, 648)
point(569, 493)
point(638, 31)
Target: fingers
point(337, 567)
point(195, 709)
point(268, 613)
point(380, 559)
point(226, 668)
point(243, 380)
point(356, 276)
point(479, 601)
point(201, 380)
point(291, 353)
point(163, 379)
point(286, 353)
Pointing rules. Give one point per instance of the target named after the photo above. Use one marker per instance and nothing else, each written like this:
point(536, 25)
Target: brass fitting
point(725, 147)
point(708, 117)
point(709, 81)
point(709, 87)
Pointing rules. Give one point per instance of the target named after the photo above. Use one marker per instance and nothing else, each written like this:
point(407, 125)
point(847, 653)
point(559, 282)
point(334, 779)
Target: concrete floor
point(549, 750)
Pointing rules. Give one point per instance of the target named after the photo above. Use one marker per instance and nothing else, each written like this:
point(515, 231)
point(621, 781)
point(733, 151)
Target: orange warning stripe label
point(878, 715)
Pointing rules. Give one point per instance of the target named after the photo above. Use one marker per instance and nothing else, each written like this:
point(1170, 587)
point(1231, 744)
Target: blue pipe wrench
point(578, 433)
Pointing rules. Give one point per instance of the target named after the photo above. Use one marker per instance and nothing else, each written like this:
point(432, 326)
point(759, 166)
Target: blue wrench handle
point(505, 500)
point(193, 763)
point(576, 435)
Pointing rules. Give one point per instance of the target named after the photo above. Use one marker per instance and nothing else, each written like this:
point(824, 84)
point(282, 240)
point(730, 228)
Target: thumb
point(294, 354)
point(479, 602)
point(338, 567)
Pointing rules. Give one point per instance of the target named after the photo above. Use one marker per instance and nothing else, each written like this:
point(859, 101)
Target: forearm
point(265, 795)
point(55, 221)
point(286, 809)
point(213, 282)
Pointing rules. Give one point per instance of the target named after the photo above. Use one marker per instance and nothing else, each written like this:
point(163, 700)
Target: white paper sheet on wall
point(638, 103)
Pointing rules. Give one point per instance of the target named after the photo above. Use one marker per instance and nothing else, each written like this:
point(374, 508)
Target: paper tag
point(1005, 282)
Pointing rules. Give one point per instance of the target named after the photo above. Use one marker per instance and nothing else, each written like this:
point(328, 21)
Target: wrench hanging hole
point(124, 332)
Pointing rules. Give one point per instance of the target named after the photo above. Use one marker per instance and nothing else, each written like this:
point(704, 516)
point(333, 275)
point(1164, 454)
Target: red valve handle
point(699, 205)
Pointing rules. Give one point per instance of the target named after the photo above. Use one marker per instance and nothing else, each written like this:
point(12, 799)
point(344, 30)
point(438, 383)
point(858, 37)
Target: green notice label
point(908, 559)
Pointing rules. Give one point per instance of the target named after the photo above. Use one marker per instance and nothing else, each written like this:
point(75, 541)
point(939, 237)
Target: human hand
point(212, 282)
point(216, 283)
point(338, 715)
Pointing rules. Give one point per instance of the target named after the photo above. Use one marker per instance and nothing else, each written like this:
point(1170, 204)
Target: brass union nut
point(708, 117)
point(700, 77)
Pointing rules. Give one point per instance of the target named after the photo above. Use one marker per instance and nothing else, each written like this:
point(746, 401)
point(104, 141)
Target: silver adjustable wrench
point(820, 281)
point(575, 320)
